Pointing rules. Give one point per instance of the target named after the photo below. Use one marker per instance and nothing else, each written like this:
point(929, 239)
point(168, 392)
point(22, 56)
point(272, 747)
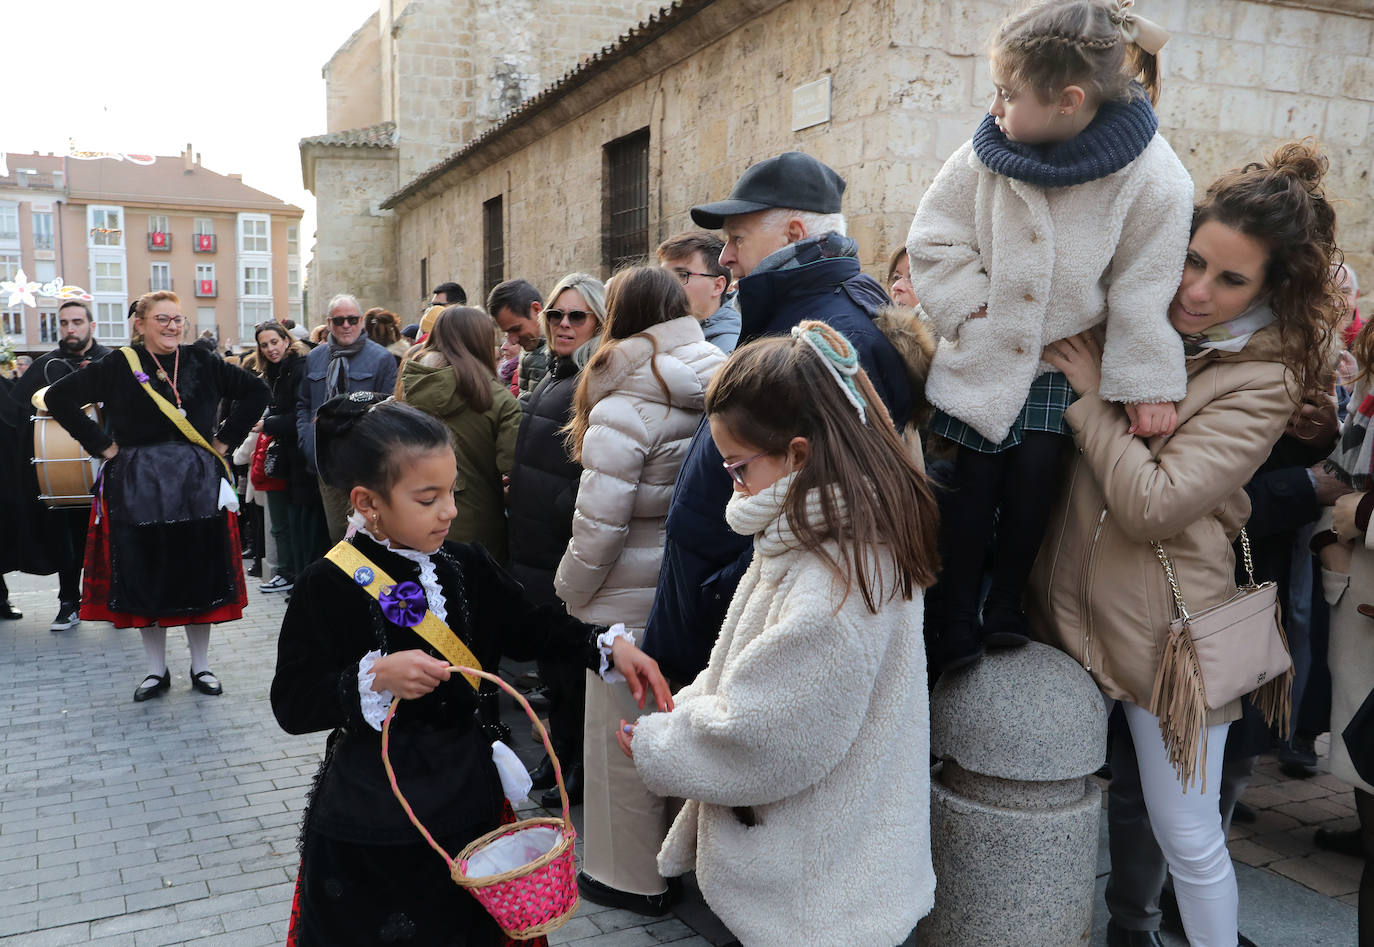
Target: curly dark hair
point(1280, 202)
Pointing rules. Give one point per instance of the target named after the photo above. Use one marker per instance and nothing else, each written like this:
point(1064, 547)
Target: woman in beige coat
point(1255, 308)
point(639, 401)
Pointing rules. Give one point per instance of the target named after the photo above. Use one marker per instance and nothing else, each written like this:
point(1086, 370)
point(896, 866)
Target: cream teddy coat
point(813, 714)
point(636, 440)
point(1049, 263)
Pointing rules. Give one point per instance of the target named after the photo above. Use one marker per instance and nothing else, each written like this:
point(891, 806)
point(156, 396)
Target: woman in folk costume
point(163, 546)
point(1066, 211)
point(385, 615)
point(1255, 311)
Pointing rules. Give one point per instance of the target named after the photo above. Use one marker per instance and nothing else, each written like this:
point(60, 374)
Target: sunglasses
point(340, 320)
point(737, 471)
point(575, 317)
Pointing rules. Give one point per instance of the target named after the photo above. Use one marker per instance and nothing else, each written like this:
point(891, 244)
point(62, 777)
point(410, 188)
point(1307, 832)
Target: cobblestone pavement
point(174, 821)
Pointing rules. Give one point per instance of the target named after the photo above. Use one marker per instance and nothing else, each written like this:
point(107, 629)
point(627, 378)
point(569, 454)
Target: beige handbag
point(1216, 656)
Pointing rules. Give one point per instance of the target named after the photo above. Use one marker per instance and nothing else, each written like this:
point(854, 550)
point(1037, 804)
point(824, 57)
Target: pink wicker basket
point(535, 898)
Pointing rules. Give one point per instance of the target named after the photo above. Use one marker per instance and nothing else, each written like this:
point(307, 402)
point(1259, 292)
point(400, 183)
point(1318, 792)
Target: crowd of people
point(744, 504)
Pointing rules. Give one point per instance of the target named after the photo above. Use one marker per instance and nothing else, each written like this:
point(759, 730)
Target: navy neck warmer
point(1115, 137)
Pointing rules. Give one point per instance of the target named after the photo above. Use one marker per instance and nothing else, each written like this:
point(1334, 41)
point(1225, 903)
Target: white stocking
point(198, 639)
point(155, 649)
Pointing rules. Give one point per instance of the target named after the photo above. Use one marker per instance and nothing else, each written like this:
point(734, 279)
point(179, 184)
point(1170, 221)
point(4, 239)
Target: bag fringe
point(1179, 702)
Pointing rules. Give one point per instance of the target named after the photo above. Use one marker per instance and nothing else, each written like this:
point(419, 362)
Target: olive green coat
point(484, 444)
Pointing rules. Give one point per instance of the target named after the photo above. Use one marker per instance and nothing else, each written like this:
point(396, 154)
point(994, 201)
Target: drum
point(66, 473)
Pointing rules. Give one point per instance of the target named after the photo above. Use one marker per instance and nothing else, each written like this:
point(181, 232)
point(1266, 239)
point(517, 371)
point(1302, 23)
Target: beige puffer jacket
point(1098, 592)
point(636, 440)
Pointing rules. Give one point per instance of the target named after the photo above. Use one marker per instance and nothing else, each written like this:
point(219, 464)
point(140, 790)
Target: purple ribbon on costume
point(142, 377)
point(404, 604)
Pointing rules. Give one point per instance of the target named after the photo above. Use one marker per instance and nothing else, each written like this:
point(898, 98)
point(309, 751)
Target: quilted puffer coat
point(636, 440)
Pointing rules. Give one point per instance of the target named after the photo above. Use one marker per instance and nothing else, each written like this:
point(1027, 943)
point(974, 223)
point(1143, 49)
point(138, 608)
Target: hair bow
point(404, 604)
point(826, 342)
point(1146, 34)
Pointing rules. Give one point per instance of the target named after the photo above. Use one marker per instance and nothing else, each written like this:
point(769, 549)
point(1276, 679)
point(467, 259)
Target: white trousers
point(1187, 826)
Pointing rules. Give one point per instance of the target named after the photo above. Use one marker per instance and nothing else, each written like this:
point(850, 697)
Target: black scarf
point(336, 376)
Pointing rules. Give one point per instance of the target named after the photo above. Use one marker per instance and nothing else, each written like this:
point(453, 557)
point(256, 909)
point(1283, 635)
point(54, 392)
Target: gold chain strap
point(1168, 565)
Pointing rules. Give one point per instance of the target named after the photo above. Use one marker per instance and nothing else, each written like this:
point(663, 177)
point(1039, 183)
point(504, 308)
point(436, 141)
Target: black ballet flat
point(153, 686)
point(8, 611)
point(209, 687)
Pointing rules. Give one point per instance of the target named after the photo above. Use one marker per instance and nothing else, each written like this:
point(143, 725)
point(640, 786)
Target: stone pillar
point(1013, 815)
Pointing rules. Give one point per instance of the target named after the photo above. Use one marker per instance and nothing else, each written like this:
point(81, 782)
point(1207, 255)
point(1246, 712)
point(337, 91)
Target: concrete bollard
point(1014, 819)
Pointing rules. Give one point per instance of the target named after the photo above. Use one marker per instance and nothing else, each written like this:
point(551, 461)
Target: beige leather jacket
point(1098, 592)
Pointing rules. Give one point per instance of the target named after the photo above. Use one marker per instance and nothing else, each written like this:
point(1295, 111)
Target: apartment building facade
point(123, 225)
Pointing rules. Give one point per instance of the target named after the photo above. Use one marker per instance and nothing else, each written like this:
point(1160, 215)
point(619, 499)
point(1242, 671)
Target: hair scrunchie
point(1146, 34)
point(838, 356)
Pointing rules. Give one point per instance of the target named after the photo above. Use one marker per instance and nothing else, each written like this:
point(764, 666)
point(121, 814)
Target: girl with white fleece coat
point(638, 403)
point(806, 821)
point(1065, 212)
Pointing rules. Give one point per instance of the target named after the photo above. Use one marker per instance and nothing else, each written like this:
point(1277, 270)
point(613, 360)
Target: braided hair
point(1058, 43)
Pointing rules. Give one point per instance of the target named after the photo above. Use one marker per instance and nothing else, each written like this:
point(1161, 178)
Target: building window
point(106, 226)
point(293, 243)
point(161, 277)
point(48, 330)
point(251, 312)
point(12, 323)
point(203, 225)
point(9, 265)
point(157, 223)
point(493, 245)
point(293, 283)
point(625, 199)
point(9, 221)
point(109, 276)
point(425, 293)
point(205, 320)
point(253, 235)
point(111, 322)
point(44, 271)
point(205, 280)
point(255, 281)
point(42, 231)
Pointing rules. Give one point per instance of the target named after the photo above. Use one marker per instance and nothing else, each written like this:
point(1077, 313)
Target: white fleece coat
point(818, 720)
point(636, 441)
point(1049, 263)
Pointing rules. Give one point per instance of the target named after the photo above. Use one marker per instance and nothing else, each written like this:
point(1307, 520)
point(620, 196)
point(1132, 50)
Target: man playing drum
point(55, 538)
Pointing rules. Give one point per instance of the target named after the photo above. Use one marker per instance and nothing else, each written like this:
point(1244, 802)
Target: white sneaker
point(278, 583)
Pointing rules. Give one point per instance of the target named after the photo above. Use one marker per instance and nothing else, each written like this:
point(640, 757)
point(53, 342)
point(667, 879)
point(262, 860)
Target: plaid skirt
point(1050, 396)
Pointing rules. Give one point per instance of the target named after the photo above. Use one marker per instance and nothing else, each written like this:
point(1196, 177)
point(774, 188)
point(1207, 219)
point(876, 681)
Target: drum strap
point(377, 583)
point(173, 415)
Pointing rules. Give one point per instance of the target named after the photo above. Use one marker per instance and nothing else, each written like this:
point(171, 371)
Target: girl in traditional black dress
point(355, 635)
point(163, 544)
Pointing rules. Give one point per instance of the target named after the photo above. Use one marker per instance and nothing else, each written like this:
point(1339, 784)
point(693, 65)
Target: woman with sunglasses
point(163, 545)
point(543, 493)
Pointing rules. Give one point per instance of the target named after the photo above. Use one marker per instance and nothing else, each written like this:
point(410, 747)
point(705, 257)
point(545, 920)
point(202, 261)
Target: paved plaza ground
point(174, 821)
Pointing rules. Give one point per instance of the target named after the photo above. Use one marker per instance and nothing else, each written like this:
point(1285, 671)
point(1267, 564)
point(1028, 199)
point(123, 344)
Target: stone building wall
point(353, 82)
point(909, 84)
point(355, 248)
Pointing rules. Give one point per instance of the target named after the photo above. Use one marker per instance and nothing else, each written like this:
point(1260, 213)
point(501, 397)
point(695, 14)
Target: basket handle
point(529, 712)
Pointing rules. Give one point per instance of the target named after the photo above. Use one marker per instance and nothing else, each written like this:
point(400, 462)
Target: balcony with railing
point(207, 288)
point(156, 284)
point(159, 240)
point(203, 242)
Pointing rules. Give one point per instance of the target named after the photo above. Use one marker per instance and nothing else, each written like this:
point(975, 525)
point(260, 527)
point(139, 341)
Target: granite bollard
point(1014, 818)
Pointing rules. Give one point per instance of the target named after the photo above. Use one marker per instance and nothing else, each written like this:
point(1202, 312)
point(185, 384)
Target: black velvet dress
point(159, 548)
point(366, 876)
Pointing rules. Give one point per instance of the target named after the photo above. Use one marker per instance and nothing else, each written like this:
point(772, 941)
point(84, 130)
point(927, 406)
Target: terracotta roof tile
point(166, 181)
point(381, 135)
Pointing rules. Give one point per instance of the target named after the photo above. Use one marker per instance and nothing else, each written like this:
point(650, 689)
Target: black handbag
point(274, 463)
point(1359, 739)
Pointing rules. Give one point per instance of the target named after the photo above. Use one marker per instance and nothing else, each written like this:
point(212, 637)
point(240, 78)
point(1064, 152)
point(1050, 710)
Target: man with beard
point(56, 538)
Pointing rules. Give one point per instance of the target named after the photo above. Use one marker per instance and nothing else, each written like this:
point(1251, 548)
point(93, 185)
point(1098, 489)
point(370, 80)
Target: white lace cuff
point(603, 644)
point(375, 704)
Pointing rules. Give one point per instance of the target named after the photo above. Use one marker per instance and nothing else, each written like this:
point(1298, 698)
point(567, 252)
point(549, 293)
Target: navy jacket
point(703, 559)
point(372, 369)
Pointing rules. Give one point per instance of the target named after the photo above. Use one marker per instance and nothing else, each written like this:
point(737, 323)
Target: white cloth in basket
point(514, 851)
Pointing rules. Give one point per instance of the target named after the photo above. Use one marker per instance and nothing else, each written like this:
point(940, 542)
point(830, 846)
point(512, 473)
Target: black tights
point(1014, 489)
point(1364, 808)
